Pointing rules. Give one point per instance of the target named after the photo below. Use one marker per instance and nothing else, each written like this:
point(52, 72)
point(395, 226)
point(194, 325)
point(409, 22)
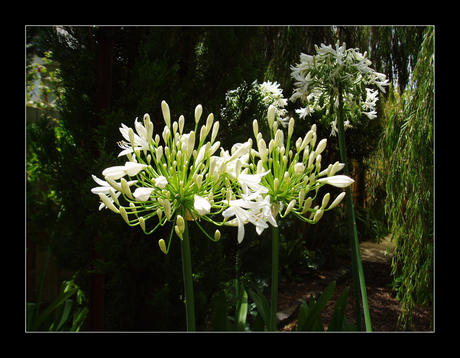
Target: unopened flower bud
point(198, 112)
point(237, 168)
point(166, 113)
point(180, 223)
point(167, 208)
point(307, 205)
point(177, 230)
point(217, 235)
point(255, 127)
point(125, 187)
point(159, 213)
point(191, 143)
point(203, 132)
point(260, 167)
point(124, 215)
point(142, 223)
point(181, 124)
point(301, 196)
point(276, 184)
point(108, 203)
point(209, 122)
point(162, 245)
point(215, 130)
point(321, 146)
point(262, 150)
point(291, 127)
point(325, 200)
point(131, 136)
point(271, 115)
point(339, 181)
point(337, 200)
point(306, 140)
point(290, 206)
point(318, 215)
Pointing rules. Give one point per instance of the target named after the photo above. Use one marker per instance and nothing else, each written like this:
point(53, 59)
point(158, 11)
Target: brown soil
point(383, 306)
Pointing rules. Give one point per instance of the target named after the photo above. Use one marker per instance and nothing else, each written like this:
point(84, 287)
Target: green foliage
point(69, 314)
point(309, 315)
point(184, 66)
point(369, 226)
point(408, 151)
point(309, 318)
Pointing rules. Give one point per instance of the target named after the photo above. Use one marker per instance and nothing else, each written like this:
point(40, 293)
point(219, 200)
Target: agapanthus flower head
point(291, 173)
point(180, 178)
point(318, 79)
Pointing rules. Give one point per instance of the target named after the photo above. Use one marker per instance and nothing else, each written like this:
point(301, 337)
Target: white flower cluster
point(273, 95)
point(320, 78)
point(268, 93)
point(289, 175)
point(182, 179)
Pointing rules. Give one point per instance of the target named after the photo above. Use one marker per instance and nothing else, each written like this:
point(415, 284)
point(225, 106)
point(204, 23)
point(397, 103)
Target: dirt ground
point(383, 306)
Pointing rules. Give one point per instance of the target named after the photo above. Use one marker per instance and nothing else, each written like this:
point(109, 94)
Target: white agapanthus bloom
point(289, 174)
point(320, 78)
point(182, 178)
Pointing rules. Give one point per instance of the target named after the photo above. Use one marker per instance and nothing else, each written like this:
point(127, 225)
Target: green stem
point(359, 284)
point(275, 264)
point(188, 279)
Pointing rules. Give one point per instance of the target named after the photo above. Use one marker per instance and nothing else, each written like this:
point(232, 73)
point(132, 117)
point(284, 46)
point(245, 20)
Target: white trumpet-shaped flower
point(108, 190)
point(143, 194)
point(117, 172)
point(246, 211)
point(201, 205)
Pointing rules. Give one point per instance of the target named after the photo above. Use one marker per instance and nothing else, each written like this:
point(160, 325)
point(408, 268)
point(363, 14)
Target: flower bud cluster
point(292, 171)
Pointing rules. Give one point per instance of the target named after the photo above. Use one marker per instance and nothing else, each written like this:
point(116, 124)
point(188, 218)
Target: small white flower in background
point(317, 80)
point(273, 95)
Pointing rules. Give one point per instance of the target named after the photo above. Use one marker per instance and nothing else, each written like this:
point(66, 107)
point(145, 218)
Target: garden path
point(370, 252)
point(373, 252)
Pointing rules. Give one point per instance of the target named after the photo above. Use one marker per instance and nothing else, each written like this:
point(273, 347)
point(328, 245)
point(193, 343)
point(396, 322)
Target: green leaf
point(65, 313)
point(241, 311)
point(80, 318)
point(338, 320)
point(259, 324)
point(58, 301)
point(304, 310)
point(263, 307)
point(317, 307)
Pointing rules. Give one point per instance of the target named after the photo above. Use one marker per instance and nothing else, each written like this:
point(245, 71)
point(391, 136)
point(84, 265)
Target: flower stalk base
point(275, 264)
point(188, 280)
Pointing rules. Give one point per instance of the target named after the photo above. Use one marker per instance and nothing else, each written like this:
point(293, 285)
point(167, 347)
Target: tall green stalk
point(188, 279)
point(275, 264)
point(358, 273)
